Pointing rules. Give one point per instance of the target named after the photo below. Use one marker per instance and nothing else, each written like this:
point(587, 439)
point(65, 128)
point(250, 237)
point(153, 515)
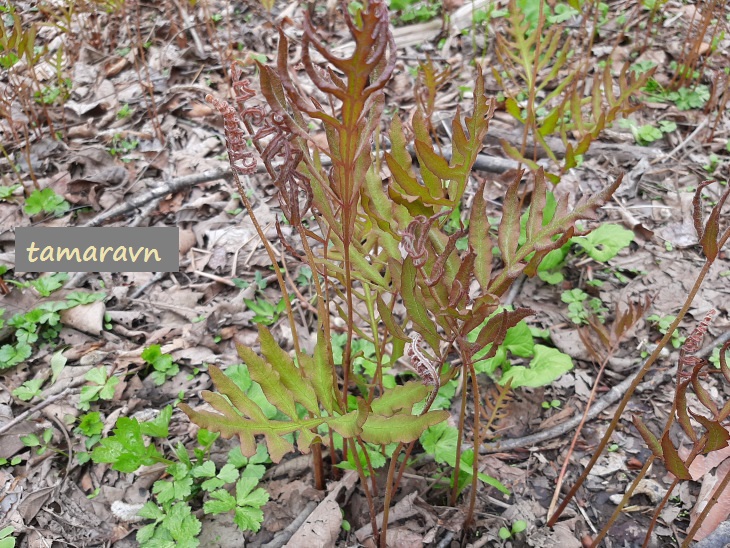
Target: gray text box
point(97, 249)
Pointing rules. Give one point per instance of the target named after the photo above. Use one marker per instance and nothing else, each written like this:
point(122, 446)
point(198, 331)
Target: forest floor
point(122, 86)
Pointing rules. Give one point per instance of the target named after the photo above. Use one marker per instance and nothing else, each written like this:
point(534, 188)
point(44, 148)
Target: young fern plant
point(558, 98)
point(371, 244)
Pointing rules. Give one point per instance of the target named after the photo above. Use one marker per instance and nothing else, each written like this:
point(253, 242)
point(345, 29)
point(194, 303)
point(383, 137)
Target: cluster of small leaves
point(90, 426)
point(126, 450)
point(41, 443)
point(685, 98)
point(53, 93)
point(418, 11)
point(171, 512)
point(7, 191)
point(517, 527)
point(101, 388)
point(6, 541)
point(648, 133)
point(266, 313)
point(663, 323)
point(44, 285)
point(162, 364)
point(188, 479)
point(32, 388)
point(46, 201)
point(441, 441)
point(581, 307)
point(41, 323)
point(546, 363)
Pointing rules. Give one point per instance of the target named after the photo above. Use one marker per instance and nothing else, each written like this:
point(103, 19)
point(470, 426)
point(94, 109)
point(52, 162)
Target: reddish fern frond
point(278, 155)
point(694, 341)
point(415, 236)
point(241, 86)
point(413, 241)
point(241, 158)
point(425, 367)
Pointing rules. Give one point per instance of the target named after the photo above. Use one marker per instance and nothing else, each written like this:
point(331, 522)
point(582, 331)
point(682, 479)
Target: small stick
point(140, 290)
point(45, 403)
point(681, 145)
point(170, 186)
point(215, 278)
point(283, 536)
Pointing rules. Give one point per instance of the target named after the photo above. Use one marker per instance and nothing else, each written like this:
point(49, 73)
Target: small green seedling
point(102, 387)
point(45, 285)
point(29, 389)
point(648, 133)
point(662, 323)
point(162, 364)
point(31, 440)
point(6, 541)
point(121, 146)
point(304, 278)
point(712, 164)
point(49, 95)
point(47, 201)
point(82, 297)
point(581, 307)
point(124, 112)
point(266, 313)
point(440, 441)
point(690, 98)
point(7, 191)
point(552, 404)
point(517, 527)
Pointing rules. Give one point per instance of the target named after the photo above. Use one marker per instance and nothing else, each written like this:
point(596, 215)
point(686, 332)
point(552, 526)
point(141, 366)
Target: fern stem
point(462, 417)
point(477, 440)
point(369, 464)
point(389, 490)
point(368, 494)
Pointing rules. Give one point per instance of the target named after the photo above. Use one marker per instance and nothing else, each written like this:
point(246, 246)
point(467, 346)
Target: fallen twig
point(282, 537)
point(39, 406)
point(173, 185)
point(681, 145)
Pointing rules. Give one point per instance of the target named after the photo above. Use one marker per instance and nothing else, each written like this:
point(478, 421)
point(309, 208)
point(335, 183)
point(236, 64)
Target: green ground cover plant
point(190, 481)
point(6, 541)
point(41, 324)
